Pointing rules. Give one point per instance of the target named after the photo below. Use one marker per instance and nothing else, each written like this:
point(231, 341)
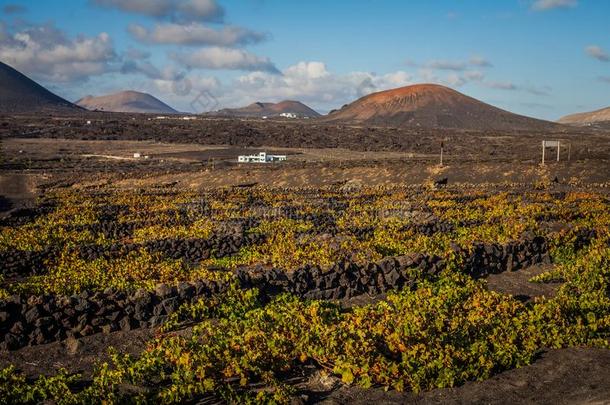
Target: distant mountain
point(126, 102)
point(20, 94)
point(587, 118)
point(431, 106)
point(259, 110)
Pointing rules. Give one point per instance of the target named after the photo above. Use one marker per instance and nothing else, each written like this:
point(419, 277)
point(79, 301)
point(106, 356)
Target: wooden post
point(442, 153)
point(558, 149)
point(543, 146)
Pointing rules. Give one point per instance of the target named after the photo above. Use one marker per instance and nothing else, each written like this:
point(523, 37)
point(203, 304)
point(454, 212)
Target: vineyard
point(247, 287)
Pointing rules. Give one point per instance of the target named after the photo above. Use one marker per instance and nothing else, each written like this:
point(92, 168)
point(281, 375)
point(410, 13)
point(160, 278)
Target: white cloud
point(474, 75)
point(454, 65)
point(543, 5)
point(187, 87)
point(153, 8)
point(134, 53)
point(178, 10)
point(47, 53)
point(144, 67)
point(445, 65)
point(455, 80)
point(310, 82)
point(14, 9)
point(597, 52)
point(500, 85)
point(4, 35)
point(307, 70)
point(195, 34)
point(202, 9)
point(480, 61)
point(537, 90)
point(225, 58)
point(507, 85)
point(194, 93)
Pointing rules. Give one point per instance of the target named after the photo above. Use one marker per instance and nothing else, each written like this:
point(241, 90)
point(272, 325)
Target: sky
point(542, 58)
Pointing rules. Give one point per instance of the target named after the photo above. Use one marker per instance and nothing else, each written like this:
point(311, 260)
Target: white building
point(289, 115)
point(262, 157)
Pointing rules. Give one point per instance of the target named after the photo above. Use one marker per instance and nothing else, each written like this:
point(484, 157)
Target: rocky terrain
point(33, 321)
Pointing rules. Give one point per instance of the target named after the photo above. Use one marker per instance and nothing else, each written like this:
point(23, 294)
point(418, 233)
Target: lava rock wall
point(32, 320)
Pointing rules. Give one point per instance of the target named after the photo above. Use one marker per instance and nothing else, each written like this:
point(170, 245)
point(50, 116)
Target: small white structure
point(550, 144)
point(88, 122)
point(262, 157)
point(137, 155)
point(288, 115)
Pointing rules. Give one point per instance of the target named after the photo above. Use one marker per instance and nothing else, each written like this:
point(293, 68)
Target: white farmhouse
point(262, 157)
point(288, 115)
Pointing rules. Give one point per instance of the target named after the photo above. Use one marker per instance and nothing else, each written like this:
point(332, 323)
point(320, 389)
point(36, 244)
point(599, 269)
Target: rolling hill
point(431, 106)
point(126, 102)
point(259, 110)
point(20, 94)
point(601, 116)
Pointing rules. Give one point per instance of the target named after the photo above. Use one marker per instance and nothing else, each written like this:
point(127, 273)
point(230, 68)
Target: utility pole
point(558, 149)
point(543, 146)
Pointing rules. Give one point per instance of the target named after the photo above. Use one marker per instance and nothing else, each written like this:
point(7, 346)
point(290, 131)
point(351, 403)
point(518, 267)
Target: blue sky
point(543, 58)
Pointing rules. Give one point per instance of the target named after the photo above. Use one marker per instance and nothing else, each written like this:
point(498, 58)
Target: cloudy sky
point(543, 58)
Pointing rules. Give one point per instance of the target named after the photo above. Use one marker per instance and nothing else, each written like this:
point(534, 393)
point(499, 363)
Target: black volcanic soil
point(203, 152)
point(566, 376)
point(43, 153)
point(76, 355)
point(518, 284)
point(479, 145)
